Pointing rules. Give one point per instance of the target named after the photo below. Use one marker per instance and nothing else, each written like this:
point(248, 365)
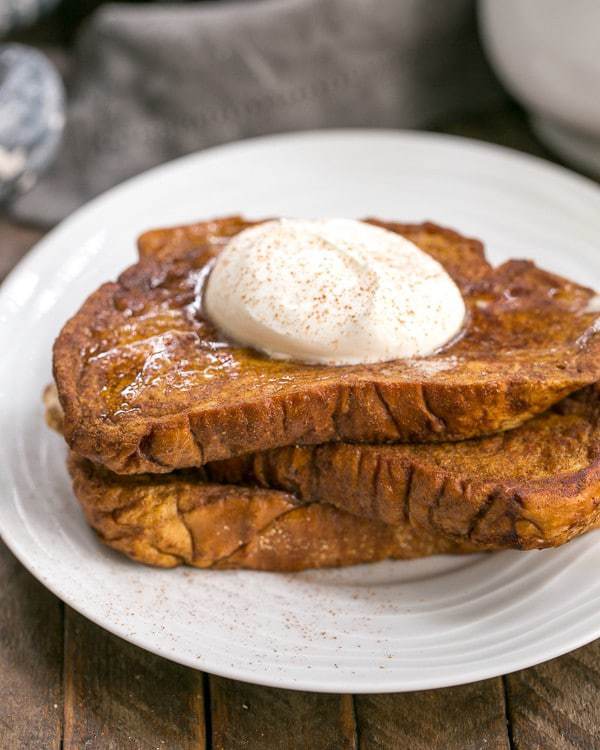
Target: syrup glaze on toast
point(147, 384)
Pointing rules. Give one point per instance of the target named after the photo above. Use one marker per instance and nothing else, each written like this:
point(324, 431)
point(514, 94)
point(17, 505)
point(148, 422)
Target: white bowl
point(547, 53)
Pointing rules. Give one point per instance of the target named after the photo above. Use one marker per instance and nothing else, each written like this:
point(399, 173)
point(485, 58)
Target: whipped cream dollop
point(332, 291)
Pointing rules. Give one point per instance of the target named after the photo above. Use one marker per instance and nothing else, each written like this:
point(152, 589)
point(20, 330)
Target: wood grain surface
point(117, 695)
point(249, 716)
point(66, 683)
point(461, 718)
point(31, 659)
point(557, 704)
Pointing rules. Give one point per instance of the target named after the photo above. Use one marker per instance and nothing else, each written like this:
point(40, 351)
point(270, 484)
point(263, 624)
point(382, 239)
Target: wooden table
point(66, 683)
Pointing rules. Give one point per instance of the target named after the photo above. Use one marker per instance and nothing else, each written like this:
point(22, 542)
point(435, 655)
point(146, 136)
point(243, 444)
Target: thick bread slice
point(532, 487)
point(173, 519)
point(535, 486)
point(167, 520)
point(147, 384)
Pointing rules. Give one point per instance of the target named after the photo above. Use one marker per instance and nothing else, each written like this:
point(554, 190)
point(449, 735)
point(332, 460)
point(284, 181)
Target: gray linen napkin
point(157, 81)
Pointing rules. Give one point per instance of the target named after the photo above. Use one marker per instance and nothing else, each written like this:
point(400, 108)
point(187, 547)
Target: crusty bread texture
point(172, 519)
point(182, 518)
point(533, 487)
point(148, 385)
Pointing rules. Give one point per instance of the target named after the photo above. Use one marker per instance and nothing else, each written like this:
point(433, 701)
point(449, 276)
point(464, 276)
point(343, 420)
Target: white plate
point(386, 627)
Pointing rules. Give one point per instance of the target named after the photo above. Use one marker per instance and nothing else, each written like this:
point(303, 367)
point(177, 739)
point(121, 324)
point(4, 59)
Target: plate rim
point(583, 181)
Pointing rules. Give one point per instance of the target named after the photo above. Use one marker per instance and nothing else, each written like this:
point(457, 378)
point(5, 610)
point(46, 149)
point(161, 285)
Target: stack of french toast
point(188, 448)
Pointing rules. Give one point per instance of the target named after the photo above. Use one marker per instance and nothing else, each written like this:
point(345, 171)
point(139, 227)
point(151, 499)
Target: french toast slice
point(537, 485)
point(532, 487)
point(172, 519)
point(148, 385)
point(182, 518)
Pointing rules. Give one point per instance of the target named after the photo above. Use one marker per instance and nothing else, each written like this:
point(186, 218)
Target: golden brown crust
point(465, 498)
point(169, 242)
point(168, 520)
point(535, 486)
point(148, 385)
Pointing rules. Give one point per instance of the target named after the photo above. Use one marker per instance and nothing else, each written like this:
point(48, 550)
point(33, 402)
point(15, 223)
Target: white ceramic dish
point(386, 627)
point(546, 53)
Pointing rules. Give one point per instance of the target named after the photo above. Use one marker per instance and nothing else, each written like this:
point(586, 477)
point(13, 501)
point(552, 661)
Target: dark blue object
point(32, 113)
